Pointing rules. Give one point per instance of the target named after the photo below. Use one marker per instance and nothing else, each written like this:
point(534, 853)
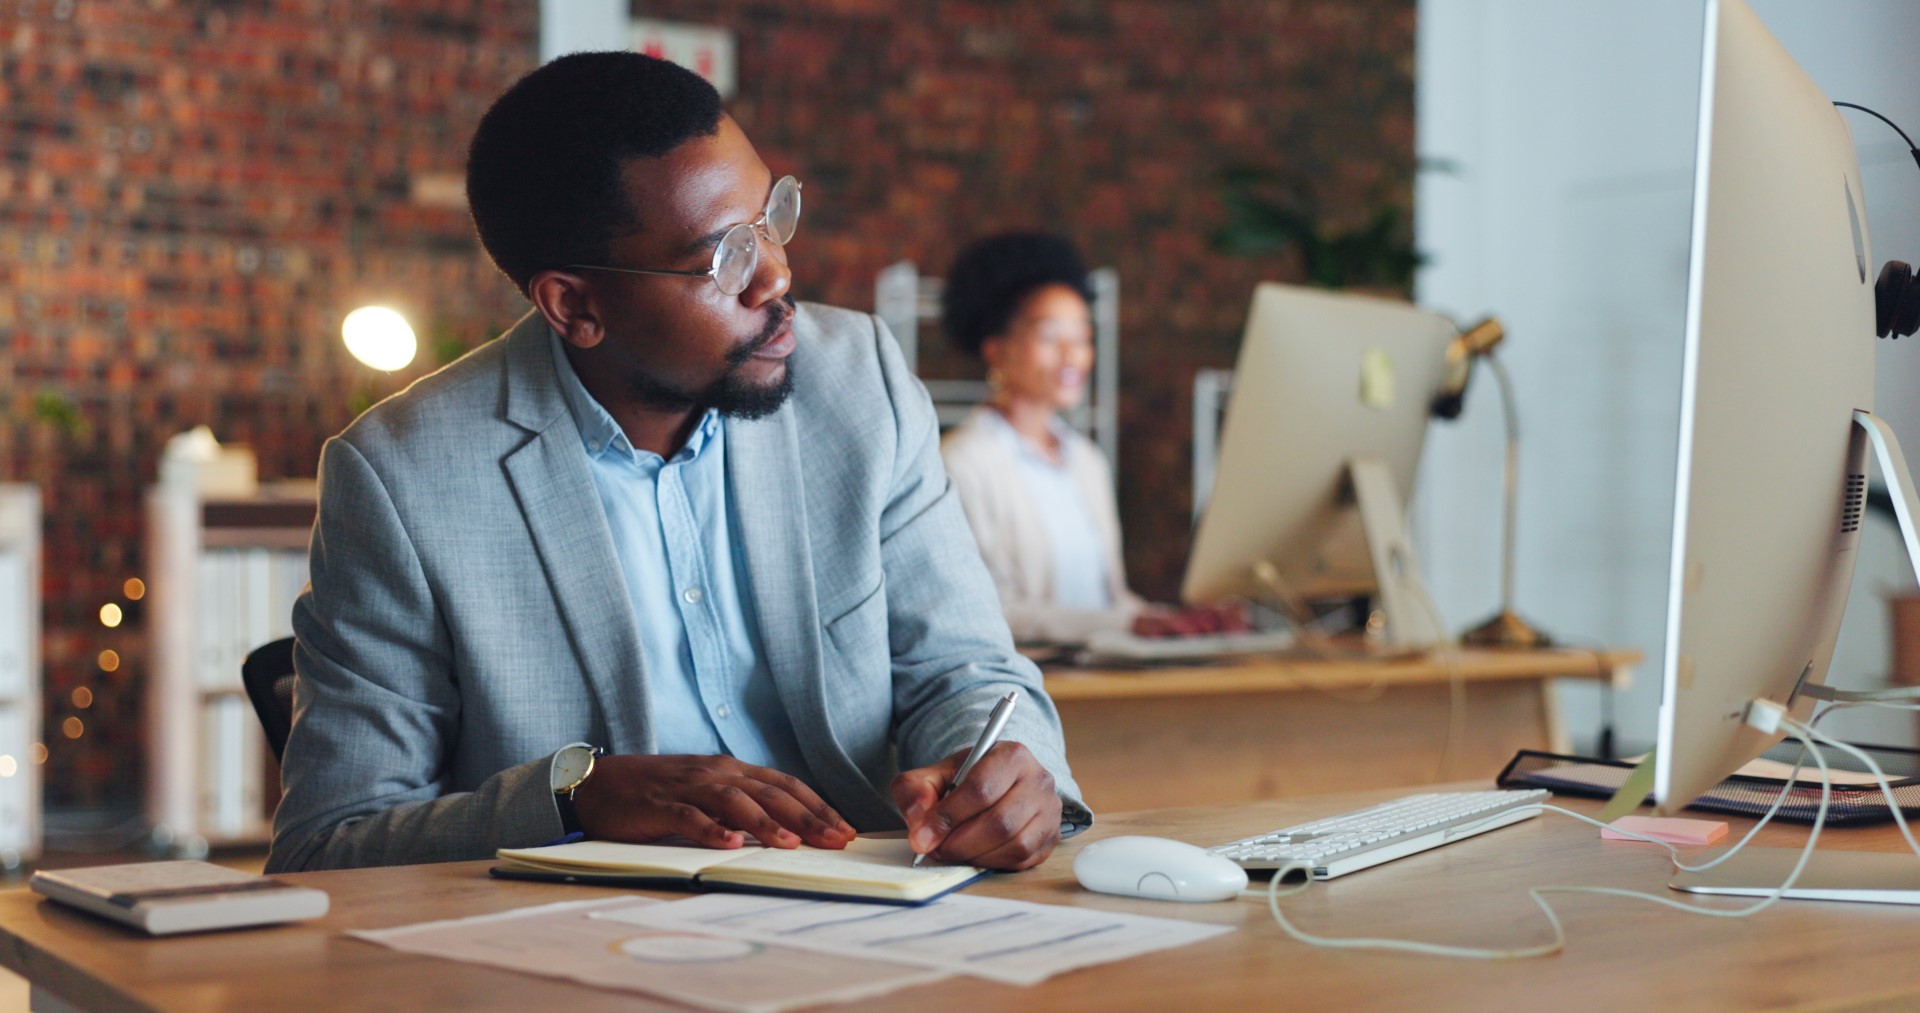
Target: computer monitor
point(1779, 358)
point(1323, 380)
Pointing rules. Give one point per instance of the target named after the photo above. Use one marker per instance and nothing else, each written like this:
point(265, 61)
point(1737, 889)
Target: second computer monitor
point(1323, 380)
point(1779, 357)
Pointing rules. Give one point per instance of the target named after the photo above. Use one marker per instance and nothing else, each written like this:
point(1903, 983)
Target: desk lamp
point(1505, 629)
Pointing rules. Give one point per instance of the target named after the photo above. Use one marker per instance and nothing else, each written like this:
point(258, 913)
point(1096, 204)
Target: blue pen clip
point(565, 839)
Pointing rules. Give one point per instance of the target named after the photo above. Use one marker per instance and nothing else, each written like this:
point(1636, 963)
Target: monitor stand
point(1832, 874)
point(1411, 624)
point(1870, 429)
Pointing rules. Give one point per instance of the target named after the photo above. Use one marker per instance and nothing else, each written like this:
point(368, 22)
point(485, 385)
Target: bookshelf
point(224, 574)
point(20, 675)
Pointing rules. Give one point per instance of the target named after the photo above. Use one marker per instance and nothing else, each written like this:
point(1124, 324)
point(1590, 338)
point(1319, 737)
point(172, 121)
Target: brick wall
point(193, 194)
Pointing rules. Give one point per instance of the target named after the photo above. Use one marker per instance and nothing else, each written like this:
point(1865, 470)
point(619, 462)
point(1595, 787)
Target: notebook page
point(609, 856)
point(870, 861)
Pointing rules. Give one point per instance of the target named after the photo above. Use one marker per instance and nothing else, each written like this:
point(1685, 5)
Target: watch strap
point(569, 815)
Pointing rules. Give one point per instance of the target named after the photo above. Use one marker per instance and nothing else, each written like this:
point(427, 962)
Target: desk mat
point(1743, 795)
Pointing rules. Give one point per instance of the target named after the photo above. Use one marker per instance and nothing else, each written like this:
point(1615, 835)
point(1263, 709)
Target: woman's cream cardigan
point(1012, 532)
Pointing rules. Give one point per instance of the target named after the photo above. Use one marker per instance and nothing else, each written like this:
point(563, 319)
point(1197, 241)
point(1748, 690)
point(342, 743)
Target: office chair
point(268, 674)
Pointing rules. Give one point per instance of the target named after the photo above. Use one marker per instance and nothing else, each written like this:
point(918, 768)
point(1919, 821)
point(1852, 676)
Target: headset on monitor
point(1896, 301)
point(1896, 296)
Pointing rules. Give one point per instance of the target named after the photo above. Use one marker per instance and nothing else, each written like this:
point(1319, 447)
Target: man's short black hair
point(543, 172)
point(990, 279)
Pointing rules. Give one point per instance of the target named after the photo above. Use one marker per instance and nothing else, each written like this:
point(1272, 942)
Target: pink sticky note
point(1667, 828)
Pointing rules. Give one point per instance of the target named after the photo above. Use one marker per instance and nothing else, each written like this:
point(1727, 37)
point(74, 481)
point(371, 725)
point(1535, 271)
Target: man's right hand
point(715, 801)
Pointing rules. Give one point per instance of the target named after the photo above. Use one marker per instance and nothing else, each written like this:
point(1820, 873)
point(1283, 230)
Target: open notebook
point(870, 869)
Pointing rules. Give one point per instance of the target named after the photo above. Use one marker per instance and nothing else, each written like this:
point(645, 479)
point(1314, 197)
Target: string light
point(38, 753)
point(8, 766)
point(135, 588)
point(109, 660)
point(72, 728)
point(110, 615)
point(82, 697)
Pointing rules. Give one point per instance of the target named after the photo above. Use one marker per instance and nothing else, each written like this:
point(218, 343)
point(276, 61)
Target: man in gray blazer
point(675, 555)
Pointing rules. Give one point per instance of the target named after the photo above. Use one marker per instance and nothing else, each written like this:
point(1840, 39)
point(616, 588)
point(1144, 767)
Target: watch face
point(570, 765)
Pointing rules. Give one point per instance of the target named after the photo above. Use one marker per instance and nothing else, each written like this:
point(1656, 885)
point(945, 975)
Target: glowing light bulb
point(110, 615)
point(379, 337)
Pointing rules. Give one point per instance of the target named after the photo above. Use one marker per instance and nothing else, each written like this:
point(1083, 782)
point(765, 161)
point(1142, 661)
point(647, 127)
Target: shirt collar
point(599, 433)
point(1058, 426)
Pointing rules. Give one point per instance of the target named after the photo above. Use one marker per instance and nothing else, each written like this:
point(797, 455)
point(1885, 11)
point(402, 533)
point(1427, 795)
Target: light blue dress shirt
point(1079, 557)
point(674, 531)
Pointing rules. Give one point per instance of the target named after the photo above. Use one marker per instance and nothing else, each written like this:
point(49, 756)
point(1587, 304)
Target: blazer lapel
point(557, 497)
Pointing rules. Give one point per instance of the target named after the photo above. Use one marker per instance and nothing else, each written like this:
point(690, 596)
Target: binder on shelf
point(225, 575)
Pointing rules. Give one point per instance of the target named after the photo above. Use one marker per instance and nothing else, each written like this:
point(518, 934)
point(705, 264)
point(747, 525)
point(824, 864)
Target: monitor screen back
point(1322, 378)
point(1779, 354)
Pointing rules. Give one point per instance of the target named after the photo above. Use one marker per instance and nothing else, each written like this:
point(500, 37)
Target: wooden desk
point(1621, 954)
point(1284, 727)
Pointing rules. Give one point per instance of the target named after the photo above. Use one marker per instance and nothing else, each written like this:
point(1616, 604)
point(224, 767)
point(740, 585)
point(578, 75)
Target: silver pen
point(991, 734)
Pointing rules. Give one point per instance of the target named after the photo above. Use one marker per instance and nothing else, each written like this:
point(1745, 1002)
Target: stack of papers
point(744, 954)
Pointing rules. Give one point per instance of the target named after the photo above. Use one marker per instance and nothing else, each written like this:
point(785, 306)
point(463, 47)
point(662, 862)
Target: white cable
point(1538, 893)
point(1448, 648)
point(1880, 777)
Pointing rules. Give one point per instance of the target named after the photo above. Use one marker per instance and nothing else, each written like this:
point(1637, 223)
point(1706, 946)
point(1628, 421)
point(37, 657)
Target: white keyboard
point(1358, 840)
point(1118, 645)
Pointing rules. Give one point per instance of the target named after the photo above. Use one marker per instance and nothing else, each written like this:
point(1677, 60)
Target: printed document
point(1012, 941)
point(731, 975)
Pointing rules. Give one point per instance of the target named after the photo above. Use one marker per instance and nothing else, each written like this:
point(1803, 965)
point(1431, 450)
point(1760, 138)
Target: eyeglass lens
point(738, 255)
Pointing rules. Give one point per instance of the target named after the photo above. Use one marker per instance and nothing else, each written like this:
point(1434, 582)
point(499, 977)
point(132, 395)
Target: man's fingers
point(915, 793)
point(805, 796)
point(990, 780)
point(689, 822)
point(732, 807)
point(1002, 821)
point(1025, 849)
point(794, 815)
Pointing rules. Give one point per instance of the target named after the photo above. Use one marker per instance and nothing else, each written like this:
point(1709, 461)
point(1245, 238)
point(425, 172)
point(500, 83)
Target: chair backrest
point(268, 674)
point(903, 298)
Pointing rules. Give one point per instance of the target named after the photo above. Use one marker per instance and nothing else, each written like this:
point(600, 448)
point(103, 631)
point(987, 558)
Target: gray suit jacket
point(467, 615)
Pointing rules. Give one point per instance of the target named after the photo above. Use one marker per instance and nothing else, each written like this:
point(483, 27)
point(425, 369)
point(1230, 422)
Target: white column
point(574, 26)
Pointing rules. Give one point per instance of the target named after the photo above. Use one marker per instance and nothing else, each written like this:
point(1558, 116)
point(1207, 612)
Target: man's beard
point(731, 394)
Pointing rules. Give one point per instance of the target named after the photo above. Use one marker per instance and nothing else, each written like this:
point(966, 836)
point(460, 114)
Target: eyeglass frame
point(756, 228)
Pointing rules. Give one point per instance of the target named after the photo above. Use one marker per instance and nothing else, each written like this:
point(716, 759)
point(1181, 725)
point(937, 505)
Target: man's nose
point(771, 277)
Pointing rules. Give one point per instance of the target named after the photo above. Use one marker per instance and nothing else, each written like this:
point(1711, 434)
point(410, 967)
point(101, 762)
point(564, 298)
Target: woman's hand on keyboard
point(1190, 620)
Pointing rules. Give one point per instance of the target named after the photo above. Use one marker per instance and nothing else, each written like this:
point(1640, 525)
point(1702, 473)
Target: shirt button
point(692, 595)
point(723, 711)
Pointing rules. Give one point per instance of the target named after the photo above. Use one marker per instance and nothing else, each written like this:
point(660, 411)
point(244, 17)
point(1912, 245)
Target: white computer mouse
point(1158, 868)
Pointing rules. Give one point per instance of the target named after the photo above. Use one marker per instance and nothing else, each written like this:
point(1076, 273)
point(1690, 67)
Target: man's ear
point(567, 303)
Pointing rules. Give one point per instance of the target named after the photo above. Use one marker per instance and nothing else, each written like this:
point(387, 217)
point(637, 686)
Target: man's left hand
point(1006, 815)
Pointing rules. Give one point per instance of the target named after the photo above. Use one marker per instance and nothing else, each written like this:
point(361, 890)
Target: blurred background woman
point(1037, 493)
